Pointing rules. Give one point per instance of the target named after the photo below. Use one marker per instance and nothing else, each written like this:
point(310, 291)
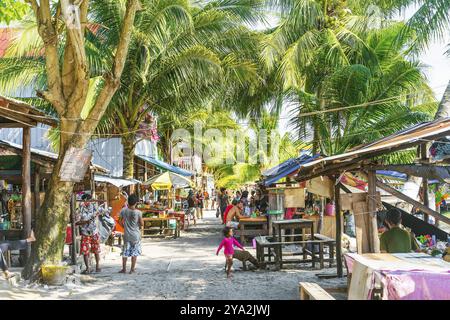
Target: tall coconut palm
point(333, 55)
point(430, 22)
point(67, 81)
point(174, 70)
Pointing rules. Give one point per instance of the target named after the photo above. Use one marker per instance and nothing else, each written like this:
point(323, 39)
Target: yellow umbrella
point(167, 181)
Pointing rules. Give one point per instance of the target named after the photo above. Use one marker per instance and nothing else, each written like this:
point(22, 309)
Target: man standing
point(396, 239)
point(223, 201)
point(131, 221)
point(90, 241)
point(191, 206)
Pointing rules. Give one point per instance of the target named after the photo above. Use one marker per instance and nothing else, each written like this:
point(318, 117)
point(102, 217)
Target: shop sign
point(75, 164)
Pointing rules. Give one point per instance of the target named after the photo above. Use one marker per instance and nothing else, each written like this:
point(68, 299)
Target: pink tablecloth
point(404, 276)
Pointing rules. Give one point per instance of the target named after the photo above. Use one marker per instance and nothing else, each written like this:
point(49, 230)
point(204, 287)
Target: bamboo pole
point(404, 197)
point(337, 204)
point(372, 208)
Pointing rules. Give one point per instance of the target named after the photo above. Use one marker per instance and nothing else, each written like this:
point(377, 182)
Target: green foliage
point(11, 10)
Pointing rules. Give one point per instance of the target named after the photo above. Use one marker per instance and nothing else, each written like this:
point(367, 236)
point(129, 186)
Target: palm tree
point(333, 56)
point(67, 77)
point(368, 100)
point(182, 64)
point(431, 21)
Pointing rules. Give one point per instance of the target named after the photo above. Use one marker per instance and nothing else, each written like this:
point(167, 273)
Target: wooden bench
point(331, 244)
point(275, 251)
point(312, 291)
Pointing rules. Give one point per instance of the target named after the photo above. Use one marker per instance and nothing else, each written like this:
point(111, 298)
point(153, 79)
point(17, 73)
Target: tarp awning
point(286, 168)
point(165, 166)
point(118, 182)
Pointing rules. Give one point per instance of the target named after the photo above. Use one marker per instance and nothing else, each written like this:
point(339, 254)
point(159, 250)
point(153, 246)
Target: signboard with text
point(75, 164)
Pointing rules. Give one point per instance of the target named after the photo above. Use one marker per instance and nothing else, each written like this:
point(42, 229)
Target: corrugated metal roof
point(50, 156)
point(118, 182)
point(21, 112)
point(398, 141)
point(165, 166)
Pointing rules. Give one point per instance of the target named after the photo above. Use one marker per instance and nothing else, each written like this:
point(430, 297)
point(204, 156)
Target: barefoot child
point(12, 245)
point(131, 220)
point(228, 244)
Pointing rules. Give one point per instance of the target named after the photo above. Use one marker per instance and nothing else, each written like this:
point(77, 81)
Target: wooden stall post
point(372, 208)
point(72, 226)
point(337, 204)
point(37, 197)
point(26, 188)
point(426, 201)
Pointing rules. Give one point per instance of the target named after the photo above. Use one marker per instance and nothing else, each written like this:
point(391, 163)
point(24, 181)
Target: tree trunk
point(67, 91)
point(51, 222)
point(444, 106)
point(129, 146)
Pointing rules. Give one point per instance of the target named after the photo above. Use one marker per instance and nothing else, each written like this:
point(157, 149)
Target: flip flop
point(86, 272)
point(10, 275)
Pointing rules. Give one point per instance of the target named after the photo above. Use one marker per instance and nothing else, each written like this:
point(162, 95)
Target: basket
point(54, 275)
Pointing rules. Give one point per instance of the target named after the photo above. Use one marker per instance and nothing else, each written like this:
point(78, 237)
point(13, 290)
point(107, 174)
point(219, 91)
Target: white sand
point(183, 268)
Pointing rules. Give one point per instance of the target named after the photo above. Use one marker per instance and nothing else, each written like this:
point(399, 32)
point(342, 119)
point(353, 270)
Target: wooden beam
point(5, 125)
point(415, 203)
point(26, 186)
point(426, 202)
point(37, 198)
point(337, 205)
point(372, 208)
point(24, 120)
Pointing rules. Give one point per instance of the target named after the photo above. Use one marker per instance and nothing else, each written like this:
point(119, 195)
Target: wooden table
point(163, 226)
point(249, 227)
point(291, 224)
point(271, 217)
point(397, 276)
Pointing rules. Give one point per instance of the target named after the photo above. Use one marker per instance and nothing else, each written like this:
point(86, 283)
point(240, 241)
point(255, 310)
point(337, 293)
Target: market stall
point(365, 162)
point(402, 276)
point(163, 218)
point(17, 114)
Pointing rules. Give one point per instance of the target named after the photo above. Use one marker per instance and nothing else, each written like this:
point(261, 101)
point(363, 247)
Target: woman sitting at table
point(12, 245)
point(396, 239)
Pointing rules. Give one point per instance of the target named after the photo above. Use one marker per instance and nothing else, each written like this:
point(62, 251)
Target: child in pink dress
point(228, 244)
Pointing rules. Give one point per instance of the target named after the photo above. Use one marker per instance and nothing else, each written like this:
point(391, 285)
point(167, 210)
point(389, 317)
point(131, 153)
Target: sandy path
point(183, 268)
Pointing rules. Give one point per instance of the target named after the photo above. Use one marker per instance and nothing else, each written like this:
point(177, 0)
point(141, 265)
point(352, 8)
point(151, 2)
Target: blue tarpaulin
point(165, 166)
point(399, 175)
point(284, 169)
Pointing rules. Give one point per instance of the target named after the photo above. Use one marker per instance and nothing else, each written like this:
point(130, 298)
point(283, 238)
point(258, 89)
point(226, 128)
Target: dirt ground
point(183, 268)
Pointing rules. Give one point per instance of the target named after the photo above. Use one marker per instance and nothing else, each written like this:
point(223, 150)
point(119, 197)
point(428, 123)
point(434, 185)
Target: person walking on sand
point(12, 245)
point(228, 244)
point(131, 220)
point(90, 240)
point(191, 206)
point(199, 204)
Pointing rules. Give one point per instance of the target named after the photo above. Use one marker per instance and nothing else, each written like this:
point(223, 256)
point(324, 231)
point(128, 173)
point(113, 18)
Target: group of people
point(241, 201)
point(241, 205)
point(130, 219)
point(196, 202)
